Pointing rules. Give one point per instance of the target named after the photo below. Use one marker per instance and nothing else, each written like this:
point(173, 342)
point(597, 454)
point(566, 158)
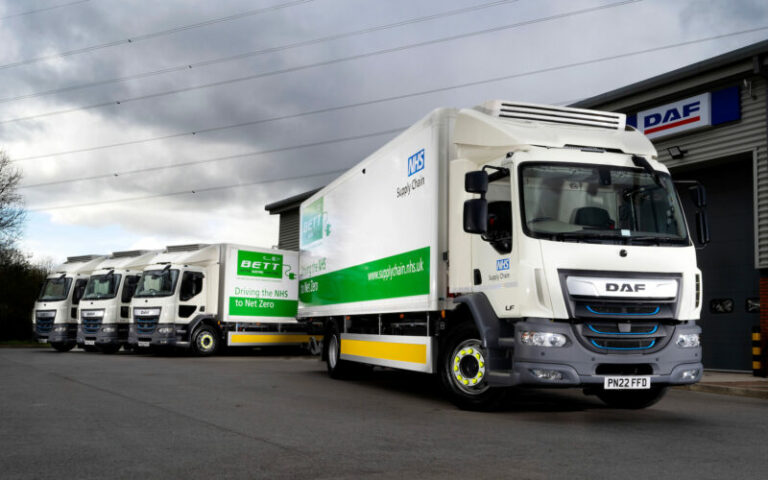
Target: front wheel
point(63, 347)
point(463, 368)
point(631, 399)
point(205, 341)
point(110, 348)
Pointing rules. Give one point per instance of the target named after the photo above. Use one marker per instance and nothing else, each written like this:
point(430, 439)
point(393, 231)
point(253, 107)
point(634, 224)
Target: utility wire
point(183, 192)
point(44, 9)
point(245, 55)
point(210, 160)
point(396, 97)
point(148, 36)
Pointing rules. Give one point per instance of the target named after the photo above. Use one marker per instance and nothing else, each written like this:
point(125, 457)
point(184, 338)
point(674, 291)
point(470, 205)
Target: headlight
point(688, 340)
point(543, 339)
point(109, 329)
point(60, 329)
point(165, 330)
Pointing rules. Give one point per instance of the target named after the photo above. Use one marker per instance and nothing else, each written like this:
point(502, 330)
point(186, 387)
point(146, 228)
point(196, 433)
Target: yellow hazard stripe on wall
point(241, 338)
point(755, 336)
point(755, 350)
point(757, 365)
point(401, 352)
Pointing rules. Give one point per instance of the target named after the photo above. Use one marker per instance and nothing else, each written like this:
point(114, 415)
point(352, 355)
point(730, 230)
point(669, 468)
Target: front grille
point(623, 344)
point(90, 324)
point(43, 325)
point(146, 325)
point(624, 336)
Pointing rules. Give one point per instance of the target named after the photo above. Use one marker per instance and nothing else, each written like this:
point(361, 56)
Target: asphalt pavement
point(84, 415)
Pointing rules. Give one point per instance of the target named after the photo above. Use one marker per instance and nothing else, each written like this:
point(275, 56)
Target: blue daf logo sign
point(416, 162)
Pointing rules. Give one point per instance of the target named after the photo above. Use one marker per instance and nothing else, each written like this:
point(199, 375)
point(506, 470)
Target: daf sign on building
point(683, 115)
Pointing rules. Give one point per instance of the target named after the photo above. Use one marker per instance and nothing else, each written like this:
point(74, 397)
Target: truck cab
point(54, 317)
point(104, 310)
point(172, 301)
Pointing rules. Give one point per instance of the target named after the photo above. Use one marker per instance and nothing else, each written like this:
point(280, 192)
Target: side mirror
point(476, 215)
point(698, 195)
point(702, 228)
point(476, 182)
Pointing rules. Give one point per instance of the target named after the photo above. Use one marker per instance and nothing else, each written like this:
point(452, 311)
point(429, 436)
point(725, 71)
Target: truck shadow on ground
point(427, 387)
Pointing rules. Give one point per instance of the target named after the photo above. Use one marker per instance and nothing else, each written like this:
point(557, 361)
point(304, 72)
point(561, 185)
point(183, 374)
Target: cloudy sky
point(144, 123)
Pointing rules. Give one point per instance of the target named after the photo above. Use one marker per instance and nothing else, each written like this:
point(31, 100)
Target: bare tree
point(11, 203)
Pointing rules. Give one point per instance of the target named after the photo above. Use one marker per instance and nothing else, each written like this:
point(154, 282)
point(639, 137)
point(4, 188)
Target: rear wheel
point(338, 368)
point(631, 399)
point(205, 341)
point(462, 369)
point(63, 347)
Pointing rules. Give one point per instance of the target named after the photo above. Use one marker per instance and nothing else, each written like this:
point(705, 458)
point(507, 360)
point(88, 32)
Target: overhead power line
point(251, 54)
point(183, 192)
point(395, 97)
point(211, 160)
point(44, 9)
point(148, 36)
point(314, 65)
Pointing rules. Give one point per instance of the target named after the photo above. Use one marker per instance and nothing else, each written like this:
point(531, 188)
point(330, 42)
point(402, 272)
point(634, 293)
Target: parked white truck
point(54, 317)
point(104, 310)
point(509, 244)
point(198, 296)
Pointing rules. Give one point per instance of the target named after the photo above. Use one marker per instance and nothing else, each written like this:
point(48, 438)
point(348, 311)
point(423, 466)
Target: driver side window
point(499, 233)
point(191, 285)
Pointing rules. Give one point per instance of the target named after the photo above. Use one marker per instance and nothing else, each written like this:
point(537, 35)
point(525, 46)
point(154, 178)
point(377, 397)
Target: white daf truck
point(54, 317)
point(203, 296)
point(104, 310)
point(509, 245)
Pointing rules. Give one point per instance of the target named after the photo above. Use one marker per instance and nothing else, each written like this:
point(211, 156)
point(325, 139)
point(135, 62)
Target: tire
point(63, 347)
point(461, 367)
point(337, 368)
point(109, 349)
point(631, 399)
point(205, 341)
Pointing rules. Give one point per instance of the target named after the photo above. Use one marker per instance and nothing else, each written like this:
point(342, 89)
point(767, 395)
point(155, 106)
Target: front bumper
point(579, 366)
point(176, 337)
point(62, 333)
point(102, 338)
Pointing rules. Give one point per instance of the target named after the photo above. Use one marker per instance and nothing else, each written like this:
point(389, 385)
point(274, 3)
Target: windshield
point(102, 286)
point(600, 203)
point(157, 283)
point(55, 289)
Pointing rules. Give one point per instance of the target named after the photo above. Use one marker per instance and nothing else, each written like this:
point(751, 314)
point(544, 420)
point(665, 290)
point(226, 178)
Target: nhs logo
point(502, 264)
point(416, 162)
point(673, 118)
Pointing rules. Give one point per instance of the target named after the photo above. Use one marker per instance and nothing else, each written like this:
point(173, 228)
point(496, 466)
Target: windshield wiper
point(587, 235)
point(657, 239)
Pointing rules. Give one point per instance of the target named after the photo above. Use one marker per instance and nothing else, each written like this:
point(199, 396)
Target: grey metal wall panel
point(289, 230)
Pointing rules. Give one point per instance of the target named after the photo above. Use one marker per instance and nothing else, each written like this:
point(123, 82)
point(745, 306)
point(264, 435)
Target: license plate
point(143, 344)
point(627, 383)
point(42, 340)
point(90, 342)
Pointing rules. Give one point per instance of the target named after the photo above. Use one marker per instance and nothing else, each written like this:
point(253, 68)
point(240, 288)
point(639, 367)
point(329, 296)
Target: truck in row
point(504, 245)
